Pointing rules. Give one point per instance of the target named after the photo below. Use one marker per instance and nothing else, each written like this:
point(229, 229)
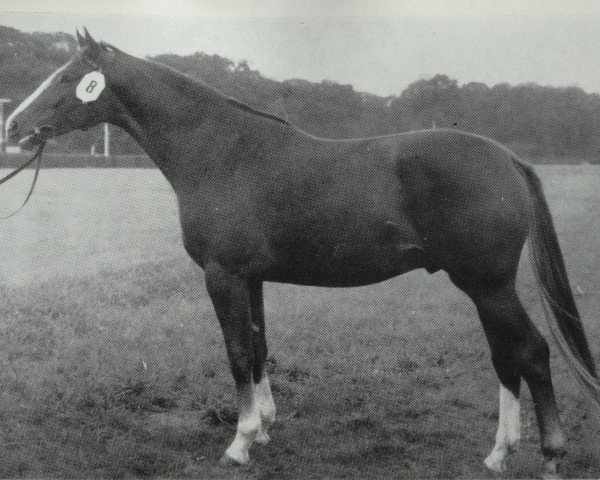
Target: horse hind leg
point(263, 396)
point(508, 434)
point(518, 351)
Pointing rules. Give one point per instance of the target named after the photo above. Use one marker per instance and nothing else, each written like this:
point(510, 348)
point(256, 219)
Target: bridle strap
point(37, 156)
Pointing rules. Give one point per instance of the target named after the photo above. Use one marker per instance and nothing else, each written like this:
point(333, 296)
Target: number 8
point(91, 86)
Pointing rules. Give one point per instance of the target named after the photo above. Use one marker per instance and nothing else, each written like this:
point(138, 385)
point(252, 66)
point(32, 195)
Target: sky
point(378, 46)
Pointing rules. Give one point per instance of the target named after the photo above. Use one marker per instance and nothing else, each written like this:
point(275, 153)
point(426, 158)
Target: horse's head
point(74, 97)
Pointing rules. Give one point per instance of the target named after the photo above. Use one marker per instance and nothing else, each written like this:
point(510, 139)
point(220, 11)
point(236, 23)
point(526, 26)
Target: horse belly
point(348, 261)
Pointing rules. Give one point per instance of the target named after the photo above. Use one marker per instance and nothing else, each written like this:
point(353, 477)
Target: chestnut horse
point(262, 201)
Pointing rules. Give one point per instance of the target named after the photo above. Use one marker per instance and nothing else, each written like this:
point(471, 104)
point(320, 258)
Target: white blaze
point(29, 100)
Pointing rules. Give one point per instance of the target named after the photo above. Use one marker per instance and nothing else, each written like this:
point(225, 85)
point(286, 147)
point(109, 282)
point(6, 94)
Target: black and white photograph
point(286, 240)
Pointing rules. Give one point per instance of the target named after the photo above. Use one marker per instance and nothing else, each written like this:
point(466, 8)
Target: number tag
point(90, 87)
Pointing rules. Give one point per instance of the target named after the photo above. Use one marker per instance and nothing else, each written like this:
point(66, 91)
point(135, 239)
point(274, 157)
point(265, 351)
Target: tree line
point(539, 122)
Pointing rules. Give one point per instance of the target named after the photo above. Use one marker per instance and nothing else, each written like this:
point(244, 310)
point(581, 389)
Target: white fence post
point(2, 139)
point(106, 141)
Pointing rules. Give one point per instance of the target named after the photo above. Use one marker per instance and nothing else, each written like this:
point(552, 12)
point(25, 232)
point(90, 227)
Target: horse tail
point(551, 275)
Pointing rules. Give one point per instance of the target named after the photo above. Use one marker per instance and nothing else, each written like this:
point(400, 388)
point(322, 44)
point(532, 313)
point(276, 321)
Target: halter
point(41, 137)
point(36, 156)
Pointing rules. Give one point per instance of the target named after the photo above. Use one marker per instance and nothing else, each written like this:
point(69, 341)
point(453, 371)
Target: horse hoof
point(495, 464)
point(262, 438)
point(227, 462)
point(551, 470)
point(551, 476)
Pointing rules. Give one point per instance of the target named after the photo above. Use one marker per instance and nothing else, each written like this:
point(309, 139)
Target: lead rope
point(37, 156)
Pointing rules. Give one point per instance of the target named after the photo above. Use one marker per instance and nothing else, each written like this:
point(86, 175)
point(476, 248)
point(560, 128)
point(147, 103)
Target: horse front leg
point(230, 295)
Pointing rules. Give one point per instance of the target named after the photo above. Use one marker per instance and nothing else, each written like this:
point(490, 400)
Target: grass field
point(112, 363)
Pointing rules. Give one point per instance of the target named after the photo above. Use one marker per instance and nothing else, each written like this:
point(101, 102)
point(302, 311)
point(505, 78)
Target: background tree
point(540, 122)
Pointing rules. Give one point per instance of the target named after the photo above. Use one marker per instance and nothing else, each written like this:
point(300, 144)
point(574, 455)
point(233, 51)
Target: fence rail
point(78, 160)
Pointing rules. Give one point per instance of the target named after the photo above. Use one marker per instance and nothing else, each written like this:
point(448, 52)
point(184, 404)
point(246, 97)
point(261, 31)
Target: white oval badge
point(90, 87)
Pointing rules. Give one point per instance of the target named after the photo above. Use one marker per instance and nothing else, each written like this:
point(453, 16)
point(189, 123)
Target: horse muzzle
point(38, 136)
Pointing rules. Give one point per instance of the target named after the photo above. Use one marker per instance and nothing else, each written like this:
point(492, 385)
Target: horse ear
point(80, 39)
point(92, 50)
point(88, 37)
point(89, 41)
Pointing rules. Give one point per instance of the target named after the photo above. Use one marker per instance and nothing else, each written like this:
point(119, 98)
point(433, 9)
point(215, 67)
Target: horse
point(260, 200)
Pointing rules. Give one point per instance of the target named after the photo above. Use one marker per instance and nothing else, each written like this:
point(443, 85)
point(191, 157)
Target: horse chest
point(222, 231)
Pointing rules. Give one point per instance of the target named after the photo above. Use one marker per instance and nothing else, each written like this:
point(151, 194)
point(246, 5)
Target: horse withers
point(261, 200)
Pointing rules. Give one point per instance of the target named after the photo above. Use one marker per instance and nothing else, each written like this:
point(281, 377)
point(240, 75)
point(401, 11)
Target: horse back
point(339, 213)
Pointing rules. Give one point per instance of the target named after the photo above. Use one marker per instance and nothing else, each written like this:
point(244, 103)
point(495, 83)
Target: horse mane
point(195, 86)
point(247, 108)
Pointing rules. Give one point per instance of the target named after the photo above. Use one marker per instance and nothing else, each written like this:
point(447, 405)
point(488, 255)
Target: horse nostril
point(44, 132)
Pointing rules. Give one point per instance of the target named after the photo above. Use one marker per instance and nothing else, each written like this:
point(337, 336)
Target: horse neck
point(174, 118)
